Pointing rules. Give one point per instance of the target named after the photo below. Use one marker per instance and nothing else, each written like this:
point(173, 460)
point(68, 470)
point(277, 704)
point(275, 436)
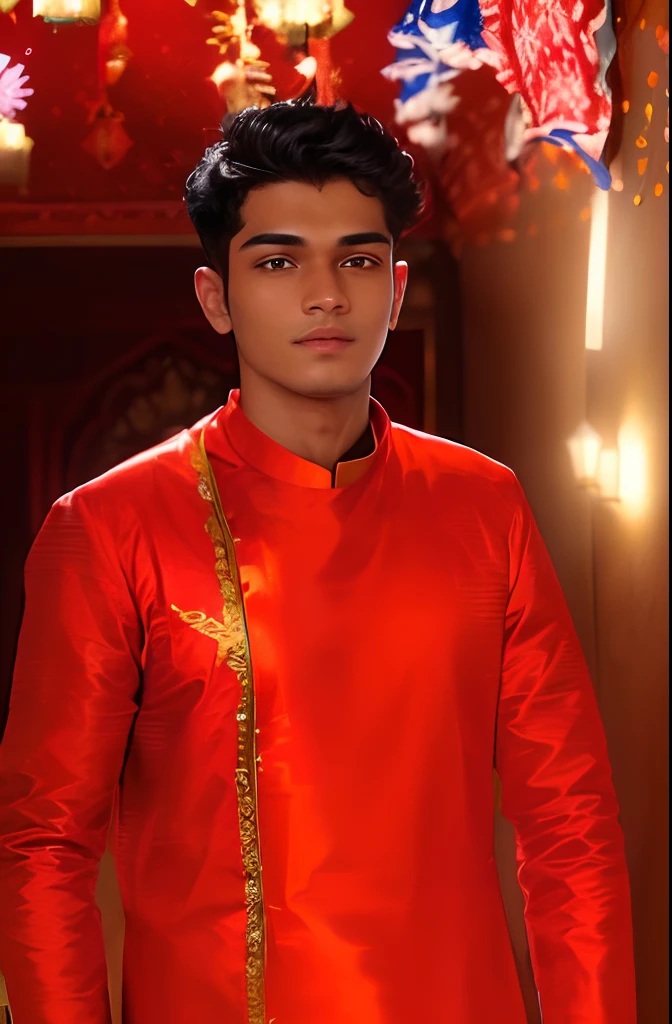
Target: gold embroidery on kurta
point(233, 643)
point(202, 623)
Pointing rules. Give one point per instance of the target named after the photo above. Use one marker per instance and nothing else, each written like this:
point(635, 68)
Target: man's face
point(307, 260)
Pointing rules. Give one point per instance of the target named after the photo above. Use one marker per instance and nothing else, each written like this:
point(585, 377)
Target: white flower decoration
point(12, 92)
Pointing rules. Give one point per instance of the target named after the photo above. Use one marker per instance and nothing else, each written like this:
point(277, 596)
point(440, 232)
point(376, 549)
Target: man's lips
point(324, 334)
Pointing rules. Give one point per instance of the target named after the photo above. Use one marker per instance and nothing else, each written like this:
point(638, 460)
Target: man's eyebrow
point(363, 238)
point(346, 241)
point(271, 238)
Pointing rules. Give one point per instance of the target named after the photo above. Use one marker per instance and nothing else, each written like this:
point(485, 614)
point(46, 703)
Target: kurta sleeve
point(71, 709)
point(557, 791)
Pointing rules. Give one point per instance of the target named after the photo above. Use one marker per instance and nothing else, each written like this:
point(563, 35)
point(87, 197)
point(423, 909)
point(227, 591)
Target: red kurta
point(397, 635)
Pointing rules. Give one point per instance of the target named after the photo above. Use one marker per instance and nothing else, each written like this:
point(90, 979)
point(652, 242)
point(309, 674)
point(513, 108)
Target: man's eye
point(359, 262)
point(277, 263)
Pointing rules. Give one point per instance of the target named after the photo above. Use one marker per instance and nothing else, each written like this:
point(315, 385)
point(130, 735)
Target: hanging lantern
point(311, 23)
point(58, 11)
point(114, 54)
point(15, 149)
point(108, 141)
point(321, 17)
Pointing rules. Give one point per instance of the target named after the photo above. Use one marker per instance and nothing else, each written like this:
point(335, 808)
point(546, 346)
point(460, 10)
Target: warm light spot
point(637, 200)
point(648, 110)
point(658, 190)
point(584, 451)
point(561, 181)
point(608, 474)
point(642, 23)
point(632, 476)
point(653, 79)
point(625, 106)
point(597, 270)
point(667, 167)
point(660, 31)
point(641, 165)
point(551, 152)
point(641, 142)
point(585, 213)
point(617, 185)
point(533, 183)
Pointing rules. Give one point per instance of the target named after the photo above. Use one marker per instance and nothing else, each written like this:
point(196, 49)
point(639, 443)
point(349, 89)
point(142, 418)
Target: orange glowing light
point(659, 31)
point(626, 106)
point(585, 213)
point(641, 142)
point(648, 110)
point(658, 190)
point(641, 165)
point(637, 200)
point(561, 181)
point(653, 79)
point(642, 23)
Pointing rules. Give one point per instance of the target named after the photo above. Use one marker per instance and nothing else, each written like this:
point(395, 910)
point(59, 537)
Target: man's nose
point(325, 293)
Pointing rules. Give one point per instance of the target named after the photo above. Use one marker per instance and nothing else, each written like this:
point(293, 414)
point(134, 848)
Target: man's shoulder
point(136, 479)
point(440, 455)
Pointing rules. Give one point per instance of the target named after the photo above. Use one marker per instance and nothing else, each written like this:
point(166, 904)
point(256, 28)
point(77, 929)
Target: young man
point(299, 637)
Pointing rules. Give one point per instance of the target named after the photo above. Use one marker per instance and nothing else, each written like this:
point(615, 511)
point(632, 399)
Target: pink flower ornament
point(12, 92)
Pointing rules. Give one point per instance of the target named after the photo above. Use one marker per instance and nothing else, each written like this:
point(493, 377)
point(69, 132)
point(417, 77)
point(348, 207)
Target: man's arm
point(557, 791)
point(71, 708)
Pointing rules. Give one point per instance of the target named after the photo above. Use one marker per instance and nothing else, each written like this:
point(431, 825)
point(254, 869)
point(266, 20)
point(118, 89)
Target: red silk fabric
point(407, 631)
point(546, 51)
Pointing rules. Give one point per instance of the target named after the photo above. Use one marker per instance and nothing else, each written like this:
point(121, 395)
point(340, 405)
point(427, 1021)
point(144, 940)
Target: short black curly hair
point(297, 141)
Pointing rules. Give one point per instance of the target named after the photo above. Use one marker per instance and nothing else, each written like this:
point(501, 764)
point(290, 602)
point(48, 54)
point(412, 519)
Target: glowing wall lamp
point(58, 11)
point(584, 450)
point(614, 474)
point(15, 149)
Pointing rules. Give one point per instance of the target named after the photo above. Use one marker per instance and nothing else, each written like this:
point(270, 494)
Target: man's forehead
point(336, 207)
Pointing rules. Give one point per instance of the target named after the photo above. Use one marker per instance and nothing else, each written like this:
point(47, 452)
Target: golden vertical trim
point(237, 655)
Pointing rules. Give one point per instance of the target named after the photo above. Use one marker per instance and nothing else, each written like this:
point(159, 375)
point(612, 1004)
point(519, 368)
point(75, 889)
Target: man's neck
point(319, 430)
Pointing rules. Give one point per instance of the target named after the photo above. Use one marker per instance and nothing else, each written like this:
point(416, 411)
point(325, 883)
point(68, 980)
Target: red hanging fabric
point(547, 52)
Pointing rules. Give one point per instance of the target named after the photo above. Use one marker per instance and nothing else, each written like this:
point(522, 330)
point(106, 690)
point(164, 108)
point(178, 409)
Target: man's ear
point(210, 293)
point(400, 282)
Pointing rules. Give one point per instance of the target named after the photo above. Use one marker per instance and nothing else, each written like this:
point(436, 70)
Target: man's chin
point(330, 389)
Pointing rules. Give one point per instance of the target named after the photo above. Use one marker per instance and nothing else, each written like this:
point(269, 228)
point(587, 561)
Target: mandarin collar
point(256, 449)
